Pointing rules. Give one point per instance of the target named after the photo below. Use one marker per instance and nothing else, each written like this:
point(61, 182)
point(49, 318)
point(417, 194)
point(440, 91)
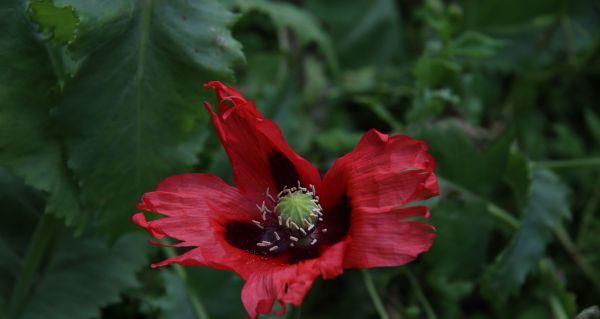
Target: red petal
point(258, 152)
point(229, 97)
point(197, 208)
point(381, 240)
point(381, 173)
point(289, 284)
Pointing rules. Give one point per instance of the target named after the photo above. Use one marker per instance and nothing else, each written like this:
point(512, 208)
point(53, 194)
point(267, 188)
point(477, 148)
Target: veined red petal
point(259, 154)
point(196, 209)
point(382, 240)
point(289, 284)
point(381, 173)
point(380, 176)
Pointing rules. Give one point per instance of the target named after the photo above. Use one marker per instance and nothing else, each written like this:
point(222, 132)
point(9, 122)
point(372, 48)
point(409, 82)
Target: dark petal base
point(328, 232)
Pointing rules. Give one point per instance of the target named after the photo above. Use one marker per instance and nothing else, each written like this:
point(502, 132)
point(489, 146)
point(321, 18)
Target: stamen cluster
point(289, 219)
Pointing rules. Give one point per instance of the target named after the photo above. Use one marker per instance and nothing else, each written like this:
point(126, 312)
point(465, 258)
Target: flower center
point(298, 208)
point(292, 220)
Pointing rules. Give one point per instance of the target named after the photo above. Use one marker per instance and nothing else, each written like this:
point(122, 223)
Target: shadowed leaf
point(545, 209)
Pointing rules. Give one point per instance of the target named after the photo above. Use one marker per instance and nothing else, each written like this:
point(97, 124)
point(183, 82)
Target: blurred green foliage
point(100, 100)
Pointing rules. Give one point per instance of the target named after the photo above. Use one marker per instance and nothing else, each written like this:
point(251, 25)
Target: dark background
point(100, 100)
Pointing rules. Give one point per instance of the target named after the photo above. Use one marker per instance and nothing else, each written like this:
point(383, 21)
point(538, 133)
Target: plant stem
point(44, 232)
point(570, 247)
point(502, 215)
point(193, 297)
point(57, 62)
point(588, 215)
point(380, 110)
point(374, 295)
point(419, 294)
point(580, 162)
point(557, 308)
point(494, 210)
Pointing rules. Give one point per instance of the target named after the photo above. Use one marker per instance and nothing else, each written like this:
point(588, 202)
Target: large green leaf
point(84, 275)
point(80, 275)
point(545, 209)
point(28, 145)
point(131, 115)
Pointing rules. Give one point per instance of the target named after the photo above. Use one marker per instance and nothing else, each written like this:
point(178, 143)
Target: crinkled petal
point(259, 154)
point(382, 240)
point(289, 284)
point(229, 97)
point(381, 173)
point(196, 210)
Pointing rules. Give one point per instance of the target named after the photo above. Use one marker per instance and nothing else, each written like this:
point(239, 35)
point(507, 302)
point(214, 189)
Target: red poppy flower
point(283, 225)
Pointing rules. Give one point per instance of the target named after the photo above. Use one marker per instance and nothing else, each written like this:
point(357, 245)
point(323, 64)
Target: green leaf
point(506, 14)
point(474, 45)
point(461, 162)
point(337, 141)
point(429, 103)
point(518, 176)
point(28, 144)
point(456, 241)
point(546, 207)
point(80, 276)
point(567, 143)
point(593, 124)
point(175, 303)
point(436, 71)
point(215, 289)
point(59, 22)
point(20, 207)
point(371, 27)
point(331, 298)
point(303, 24)
point(562, 300)
point(84, 275)
point(131, 115)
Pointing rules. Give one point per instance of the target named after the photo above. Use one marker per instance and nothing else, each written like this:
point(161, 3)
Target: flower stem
point(494, 210)
point(193, 297)
point(42, 237)
point(374, 295)
point(580, 162)
point(503, 216)
point(419, 294)
point(587, 216)
point(567, 243)
point(557, 308)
